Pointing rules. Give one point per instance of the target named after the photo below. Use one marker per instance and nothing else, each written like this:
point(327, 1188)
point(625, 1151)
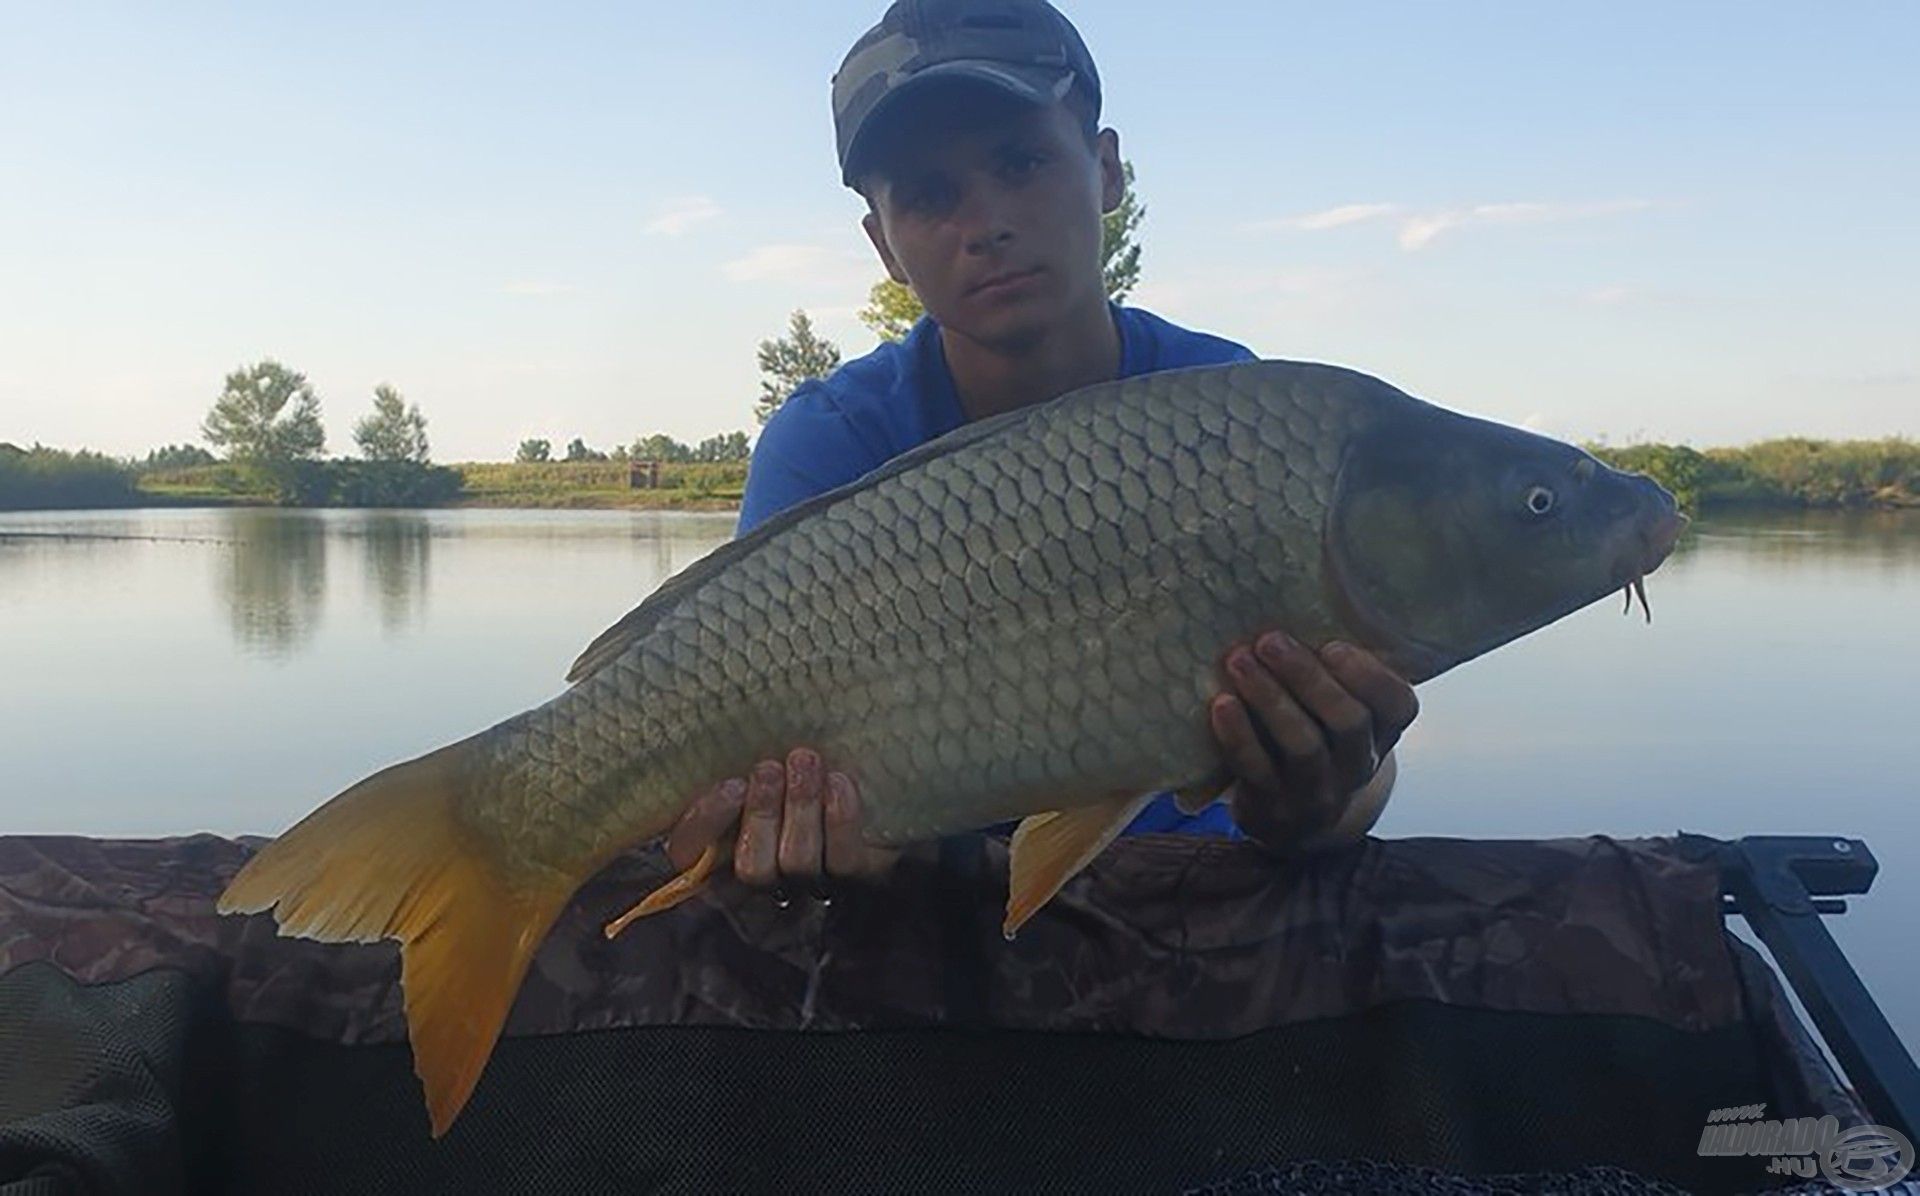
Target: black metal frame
point(1782, 884)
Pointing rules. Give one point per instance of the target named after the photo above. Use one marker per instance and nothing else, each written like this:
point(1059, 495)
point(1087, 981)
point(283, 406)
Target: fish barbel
point(1024, 619)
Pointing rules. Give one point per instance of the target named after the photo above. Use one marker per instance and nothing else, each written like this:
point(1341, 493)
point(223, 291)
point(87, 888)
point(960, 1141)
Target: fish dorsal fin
point(637, 622)
point(1048, 850)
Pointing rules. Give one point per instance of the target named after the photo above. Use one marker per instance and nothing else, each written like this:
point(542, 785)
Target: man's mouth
point(1004, 279)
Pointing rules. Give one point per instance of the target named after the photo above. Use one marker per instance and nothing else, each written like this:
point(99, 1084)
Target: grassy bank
point(1793, 472)
point(688, 487)
point(556, 484)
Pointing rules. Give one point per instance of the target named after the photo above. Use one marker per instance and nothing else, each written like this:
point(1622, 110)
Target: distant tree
point(175, 456)
point(577, 450)
point(661, 447)
point(394, 432)
point(47, 478)
point(791, 360)
point(268, 415)
point(727, 446)
point(531, 451)
point(892, 308)
point(1119, 239)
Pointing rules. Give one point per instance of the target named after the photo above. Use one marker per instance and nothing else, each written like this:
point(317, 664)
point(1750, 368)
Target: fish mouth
point(1656, 542)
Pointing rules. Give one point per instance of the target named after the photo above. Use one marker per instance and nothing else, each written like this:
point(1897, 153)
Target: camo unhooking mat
point(1188, 1011)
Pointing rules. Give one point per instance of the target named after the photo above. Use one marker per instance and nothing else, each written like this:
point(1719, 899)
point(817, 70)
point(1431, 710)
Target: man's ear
point(878, 235)
point(1113, 182)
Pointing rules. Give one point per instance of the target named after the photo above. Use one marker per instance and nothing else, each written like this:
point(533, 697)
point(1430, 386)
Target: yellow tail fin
point(388, 858)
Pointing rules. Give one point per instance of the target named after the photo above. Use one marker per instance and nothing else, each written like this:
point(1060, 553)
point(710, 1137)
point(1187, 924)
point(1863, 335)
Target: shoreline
point(670, 501)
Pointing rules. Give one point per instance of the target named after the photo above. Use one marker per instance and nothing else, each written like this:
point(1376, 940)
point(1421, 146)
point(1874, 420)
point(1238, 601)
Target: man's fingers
point(1240, 743)
point(800, 827)
point(848, 853)
point(1305, 765)
point(1347, 723)
point(710, 817)
point(1386, 693)
point(756, 856)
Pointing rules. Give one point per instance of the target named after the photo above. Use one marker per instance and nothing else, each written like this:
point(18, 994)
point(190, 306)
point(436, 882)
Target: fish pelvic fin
point(1191, 799)
point(1049, 849)
point(389, 859)
point(682, 887)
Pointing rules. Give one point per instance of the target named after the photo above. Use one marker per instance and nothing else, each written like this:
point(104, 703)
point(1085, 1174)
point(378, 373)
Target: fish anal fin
point(1049, 849)
point(389, 859)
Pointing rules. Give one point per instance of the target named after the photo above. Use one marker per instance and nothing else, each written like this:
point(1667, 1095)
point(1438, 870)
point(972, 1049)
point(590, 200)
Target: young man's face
point(990, 209)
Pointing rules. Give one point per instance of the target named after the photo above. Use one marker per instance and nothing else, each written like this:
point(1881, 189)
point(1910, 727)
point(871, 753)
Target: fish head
point(1449, 536)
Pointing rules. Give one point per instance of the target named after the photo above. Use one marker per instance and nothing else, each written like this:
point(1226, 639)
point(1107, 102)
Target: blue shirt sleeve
point(807, 448)
point(1162, 817)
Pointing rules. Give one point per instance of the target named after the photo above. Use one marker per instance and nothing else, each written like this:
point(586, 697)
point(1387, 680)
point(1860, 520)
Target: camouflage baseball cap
point(1023, 47)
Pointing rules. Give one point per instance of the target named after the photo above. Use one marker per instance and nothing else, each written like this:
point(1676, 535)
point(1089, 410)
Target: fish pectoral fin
point(1191, 799)
point(672, 893)
point(1050, 849)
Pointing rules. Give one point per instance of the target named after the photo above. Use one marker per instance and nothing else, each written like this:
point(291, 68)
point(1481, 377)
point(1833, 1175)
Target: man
point(971, 129)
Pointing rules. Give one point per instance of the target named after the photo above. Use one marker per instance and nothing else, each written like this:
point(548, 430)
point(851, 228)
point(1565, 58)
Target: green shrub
point(44, 478)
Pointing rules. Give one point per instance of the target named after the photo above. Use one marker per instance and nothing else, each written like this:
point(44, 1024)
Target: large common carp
point(1022, 619)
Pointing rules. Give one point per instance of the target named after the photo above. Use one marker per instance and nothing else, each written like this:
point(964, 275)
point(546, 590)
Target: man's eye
point(1018, 165)
point(927, 197)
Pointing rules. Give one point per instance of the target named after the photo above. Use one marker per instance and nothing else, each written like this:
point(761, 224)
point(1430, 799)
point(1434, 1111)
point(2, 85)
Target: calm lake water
point(164, 672)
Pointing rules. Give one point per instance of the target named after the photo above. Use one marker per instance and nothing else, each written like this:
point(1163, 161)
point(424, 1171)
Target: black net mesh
point(1363, 1177)
point(671, 1109)
point(91, 1091)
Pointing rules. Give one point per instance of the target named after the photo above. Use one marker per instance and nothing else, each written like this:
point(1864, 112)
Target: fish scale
point(1073, 575)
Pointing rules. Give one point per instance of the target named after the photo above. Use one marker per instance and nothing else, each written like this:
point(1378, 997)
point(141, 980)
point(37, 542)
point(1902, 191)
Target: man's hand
point(1307, 737)
point(799, 826)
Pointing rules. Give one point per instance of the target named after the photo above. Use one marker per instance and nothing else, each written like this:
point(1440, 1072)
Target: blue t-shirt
point(836, 429)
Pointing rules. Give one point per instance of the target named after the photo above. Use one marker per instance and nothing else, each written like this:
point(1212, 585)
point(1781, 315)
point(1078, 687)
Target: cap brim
point(1034, 85)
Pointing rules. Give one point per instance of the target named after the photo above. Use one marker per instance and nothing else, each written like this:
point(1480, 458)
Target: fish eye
point(1540, 500)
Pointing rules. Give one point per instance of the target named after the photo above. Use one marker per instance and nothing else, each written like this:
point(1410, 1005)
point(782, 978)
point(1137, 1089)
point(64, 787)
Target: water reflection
point(273, 576)
point(396, 546)
point(1871, 538)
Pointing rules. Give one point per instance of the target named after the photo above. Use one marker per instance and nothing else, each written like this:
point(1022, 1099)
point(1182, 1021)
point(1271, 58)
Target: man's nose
point(984, 219)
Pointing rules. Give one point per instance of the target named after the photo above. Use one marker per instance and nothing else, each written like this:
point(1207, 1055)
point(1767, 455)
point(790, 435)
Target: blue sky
point(1696, 222)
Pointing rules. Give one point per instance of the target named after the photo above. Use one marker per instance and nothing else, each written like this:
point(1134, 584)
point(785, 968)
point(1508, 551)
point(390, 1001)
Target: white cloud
point(1612, 296)
point(1419, 231)
point(829, 271)
point(1313, 222)
point(537, 288)
point(676, 216)
point(1182, 290)
point(777, 261)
